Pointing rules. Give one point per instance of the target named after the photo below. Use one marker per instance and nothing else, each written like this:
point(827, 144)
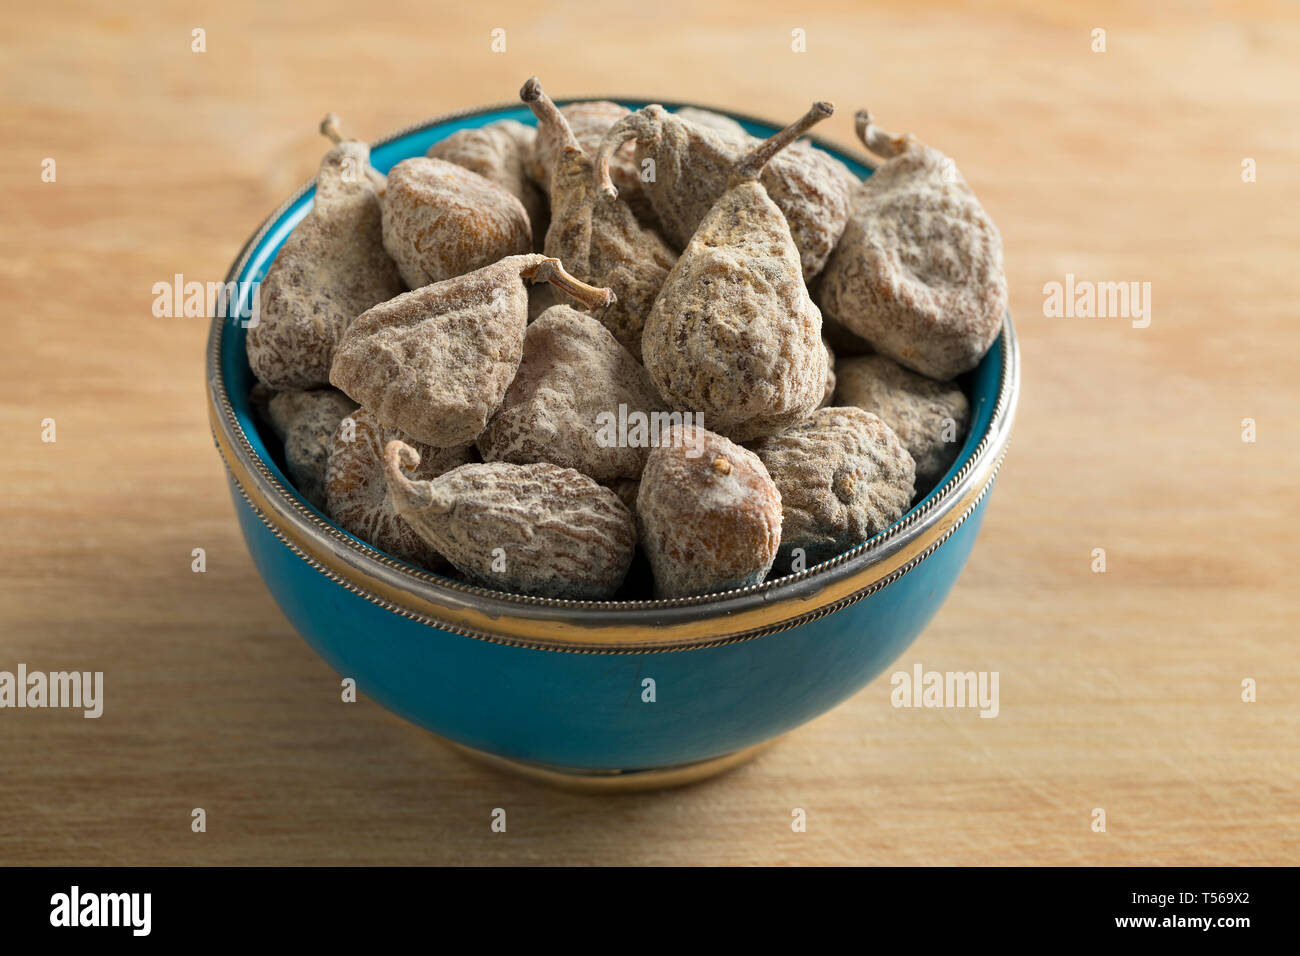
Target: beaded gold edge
point(620, 648)
point(239, 452)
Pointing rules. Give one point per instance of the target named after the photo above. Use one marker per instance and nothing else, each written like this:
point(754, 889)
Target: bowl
point(595, 695)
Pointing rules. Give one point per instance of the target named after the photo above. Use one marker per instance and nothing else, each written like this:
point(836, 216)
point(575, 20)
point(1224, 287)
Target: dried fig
point(844, 477)
point(929, 417)
point(442, 220)
point(530, 529)
point(692, 166)
point(812, 156)
point(331, 269)
point(733, 334)
point(305, 422)
point(437, 361)
point(498, 152)
point(599, 239)
point(715, 121)
point(918, 272)
point(709, 514)
point(356, 493)
point(588, 120)
point(573, 379)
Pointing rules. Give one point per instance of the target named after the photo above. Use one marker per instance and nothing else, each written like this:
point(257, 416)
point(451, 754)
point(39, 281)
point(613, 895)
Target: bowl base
point(611, 781)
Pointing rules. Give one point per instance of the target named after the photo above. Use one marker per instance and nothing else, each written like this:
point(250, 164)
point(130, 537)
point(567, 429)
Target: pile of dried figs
point(539, 357)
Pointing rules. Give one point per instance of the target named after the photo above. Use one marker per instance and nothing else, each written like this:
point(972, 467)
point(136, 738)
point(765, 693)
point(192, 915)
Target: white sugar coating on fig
point(692, 166)
point(441, 220)
point(356, 492)
point(918, 272)
point(599, 238)
point(733, 334)
point(573, 386)
point(929, 417)
point(708, 513)
point(436, 362)
point(499, 153)
point(536, 529)
point(813, 190)
point(305, 422)
point(331, 269)
point(715, 121)
point(844, 477)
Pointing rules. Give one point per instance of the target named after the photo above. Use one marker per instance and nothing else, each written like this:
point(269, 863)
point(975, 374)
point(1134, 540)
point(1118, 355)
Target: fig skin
point(331, 268)
point(357, 494)
point(589, 121)
point(692, 165)
point(436, 362)
point(599, 238)
point(919, 272)
point(533, 529)
point(844, 477)
point(573, 372)
point(734, 335)
point(306, 422)
point(499, 152)
point(708, 513)
point(917, 408)
point(442, 220)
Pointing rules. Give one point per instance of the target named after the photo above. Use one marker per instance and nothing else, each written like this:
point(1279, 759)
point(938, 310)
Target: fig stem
point(632, 126)
point(553, 271)
point(608, 146)
point(752, 163)
point(331, 127)
point(406, 494)
point(548, 114)
point(876, 139)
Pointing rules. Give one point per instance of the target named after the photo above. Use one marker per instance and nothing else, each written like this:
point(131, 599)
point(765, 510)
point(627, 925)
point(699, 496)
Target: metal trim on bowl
point(601, 627)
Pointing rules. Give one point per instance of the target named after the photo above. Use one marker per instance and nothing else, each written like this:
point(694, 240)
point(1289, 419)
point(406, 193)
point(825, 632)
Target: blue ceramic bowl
point(557, 688)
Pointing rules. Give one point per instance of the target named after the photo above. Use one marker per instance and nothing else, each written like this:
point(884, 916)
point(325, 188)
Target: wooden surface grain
point(1119, 690)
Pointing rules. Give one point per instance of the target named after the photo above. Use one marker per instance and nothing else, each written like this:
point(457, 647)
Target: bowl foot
point(612, 781)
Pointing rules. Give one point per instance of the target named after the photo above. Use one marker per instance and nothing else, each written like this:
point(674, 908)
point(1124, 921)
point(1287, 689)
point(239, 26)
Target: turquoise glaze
point(584, 710)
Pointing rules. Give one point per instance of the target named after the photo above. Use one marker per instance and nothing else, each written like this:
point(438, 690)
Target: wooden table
point(1119, 690)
